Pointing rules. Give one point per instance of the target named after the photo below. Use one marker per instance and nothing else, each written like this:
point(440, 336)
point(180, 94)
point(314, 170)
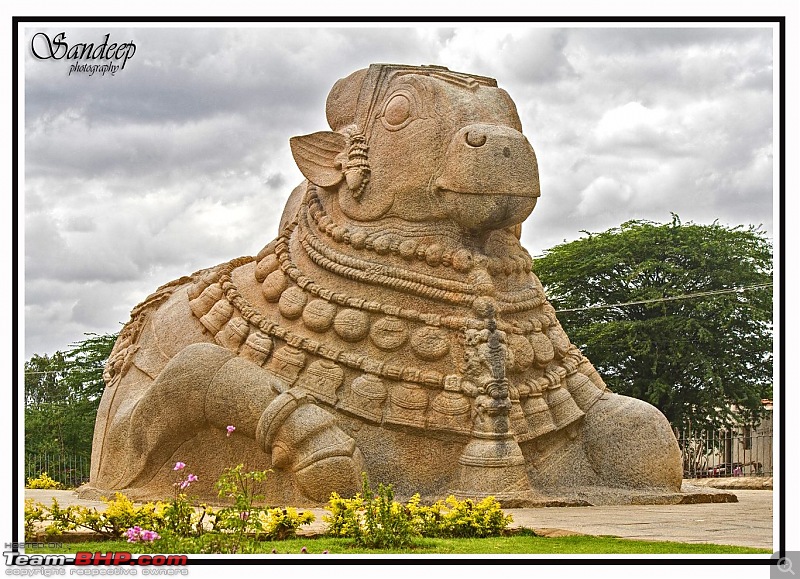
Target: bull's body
point(393, 327)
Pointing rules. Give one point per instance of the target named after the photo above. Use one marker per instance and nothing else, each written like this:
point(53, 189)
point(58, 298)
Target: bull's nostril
point(475, 139)
point(506, 152)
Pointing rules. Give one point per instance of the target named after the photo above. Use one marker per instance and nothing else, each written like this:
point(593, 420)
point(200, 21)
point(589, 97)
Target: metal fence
point(70, 470)
point(743, 451)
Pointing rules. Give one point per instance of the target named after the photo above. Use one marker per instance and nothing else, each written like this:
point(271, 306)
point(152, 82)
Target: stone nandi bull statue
point(393, 327)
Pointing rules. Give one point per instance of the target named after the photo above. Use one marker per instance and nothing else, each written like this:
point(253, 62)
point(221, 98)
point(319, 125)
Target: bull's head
point(422, 144)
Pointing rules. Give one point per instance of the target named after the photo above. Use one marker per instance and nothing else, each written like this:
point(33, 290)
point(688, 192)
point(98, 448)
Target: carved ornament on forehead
point(370, 107)
point(380, 76)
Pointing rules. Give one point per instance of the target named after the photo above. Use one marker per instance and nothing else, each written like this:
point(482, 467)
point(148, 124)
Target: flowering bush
point(34, 513)
point(180, 517)
point(43, 481)
point(278, 524)
point(233, 529)
point(245, 489)
point(120, 514)
point(459, 519)
point(345, 515)
point(375, 519)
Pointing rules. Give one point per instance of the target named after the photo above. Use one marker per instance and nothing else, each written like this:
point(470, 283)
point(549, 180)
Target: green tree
point(62, 393)
point(679, 315)
point(85, 363)
point(43, 379)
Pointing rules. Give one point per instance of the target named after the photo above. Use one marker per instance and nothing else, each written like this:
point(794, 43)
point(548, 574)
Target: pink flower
point(136, 534)
point(149, 536)
point(189, 480)
point(304, 550)
point(230, 429)
point(244, 515)
point(179, 466)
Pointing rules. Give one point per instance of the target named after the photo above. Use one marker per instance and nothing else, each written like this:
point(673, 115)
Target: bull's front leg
point(206, 385)
point(630, 444)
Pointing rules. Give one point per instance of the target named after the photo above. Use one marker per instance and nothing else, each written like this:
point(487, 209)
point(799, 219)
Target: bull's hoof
point(339, 474)
point(629, 443)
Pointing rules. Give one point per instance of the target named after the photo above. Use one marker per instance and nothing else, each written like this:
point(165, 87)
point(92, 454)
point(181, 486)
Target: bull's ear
point(315, 155)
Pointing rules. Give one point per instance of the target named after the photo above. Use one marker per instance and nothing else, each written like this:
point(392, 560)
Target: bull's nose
point(488, 178)
point(475, 138)
point(484, 159)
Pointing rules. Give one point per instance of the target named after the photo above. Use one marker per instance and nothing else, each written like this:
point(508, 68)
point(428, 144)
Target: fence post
point(713, 453)
point(71, 470)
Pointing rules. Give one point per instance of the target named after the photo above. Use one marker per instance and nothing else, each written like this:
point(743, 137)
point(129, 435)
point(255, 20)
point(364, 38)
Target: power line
point(56, 371)
point(669, 298)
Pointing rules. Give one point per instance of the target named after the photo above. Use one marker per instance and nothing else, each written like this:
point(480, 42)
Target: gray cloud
point(181, 160)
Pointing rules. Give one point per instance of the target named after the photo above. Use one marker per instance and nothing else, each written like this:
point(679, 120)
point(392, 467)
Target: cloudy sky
point(181, 160)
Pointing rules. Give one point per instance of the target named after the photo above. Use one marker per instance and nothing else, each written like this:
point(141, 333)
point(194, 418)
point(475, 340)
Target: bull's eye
point(398, 109)
point(398, 112)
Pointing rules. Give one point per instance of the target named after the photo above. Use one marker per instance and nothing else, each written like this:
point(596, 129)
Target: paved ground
point(747, 523)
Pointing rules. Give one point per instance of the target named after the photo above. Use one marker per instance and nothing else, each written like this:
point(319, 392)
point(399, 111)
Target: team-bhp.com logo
point(87, 563)
point(88, 57)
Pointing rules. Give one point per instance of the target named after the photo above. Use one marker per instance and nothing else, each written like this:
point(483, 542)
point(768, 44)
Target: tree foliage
point(624, 297)
point(62, 393)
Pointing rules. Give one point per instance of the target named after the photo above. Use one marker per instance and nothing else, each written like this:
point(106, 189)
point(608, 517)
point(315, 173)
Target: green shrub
point(376, 520)
point(43, 481)
point(387, 523)
point(207, 543)
point(34, 513)
point(469, 519)
point(245, 489)
point(280, 524)
point(179, 517)
point(120, 515)
point(345, 516)
point(178, 520)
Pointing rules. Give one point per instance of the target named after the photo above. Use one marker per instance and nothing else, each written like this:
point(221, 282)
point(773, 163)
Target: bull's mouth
point(487, 211)
point(489, 177)
point(531, 193)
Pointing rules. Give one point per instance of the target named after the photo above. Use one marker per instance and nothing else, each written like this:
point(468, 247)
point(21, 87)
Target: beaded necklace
point(390, 241)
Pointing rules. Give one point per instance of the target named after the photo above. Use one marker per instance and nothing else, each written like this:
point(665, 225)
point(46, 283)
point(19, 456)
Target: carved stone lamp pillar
point(492, 460)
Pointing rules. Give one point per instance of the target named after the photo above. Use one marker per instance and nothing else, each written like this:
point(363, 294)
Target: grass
point(517, 544)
